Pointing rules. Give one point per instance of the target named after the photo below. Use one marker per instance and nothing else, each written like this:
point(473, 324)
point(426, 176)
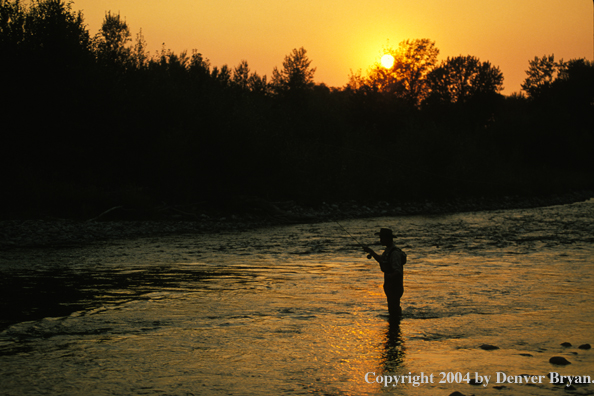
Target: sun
point(387, 61)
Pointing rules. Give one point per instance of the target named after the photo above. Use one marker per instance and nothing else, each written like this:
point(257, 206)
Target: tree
point(139, 56)
point(578, 69)
point(221, 76)
point(46, 49)
point(258, 84)
point(561, 87)
point(356, 80)
point(55, 36)
point(241, 75)
point(244, 81)
point(175, 66)
point(45, 77)
point(111, 42)
point(570, 97)
point(296, 74)
point(461, 78)
point(199, 67)
point(541, 74)
point(576, 80)
point(413, 60)
point(12, 25)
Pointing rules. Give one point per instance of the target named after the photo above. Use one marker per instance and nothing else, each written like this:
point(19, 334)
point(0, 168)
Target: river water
point(298, 310)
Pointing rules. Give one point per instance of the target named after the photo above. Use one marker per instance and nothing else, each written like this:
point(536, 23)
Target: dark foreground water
point(298, 310)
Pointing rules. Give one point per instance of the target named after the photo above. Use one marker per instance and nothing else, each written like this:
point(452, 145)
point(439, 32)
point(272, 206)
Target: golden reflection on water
point(275, 322)
point(366, 344)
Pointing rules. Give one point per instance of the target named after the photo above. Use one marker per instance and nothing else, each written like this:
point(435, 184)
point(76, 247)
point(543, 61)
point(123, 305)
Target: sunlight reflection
point(303, 324)
point(367, 344)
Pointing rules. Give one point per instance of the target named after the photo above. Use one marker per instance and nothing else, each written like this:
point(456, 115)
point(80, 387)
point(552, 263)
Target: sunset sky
point(344, 35)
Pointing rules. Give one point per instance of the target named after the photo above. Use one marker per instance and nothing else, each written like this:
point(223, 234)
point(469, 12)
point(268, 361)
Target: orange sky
point(340, 35)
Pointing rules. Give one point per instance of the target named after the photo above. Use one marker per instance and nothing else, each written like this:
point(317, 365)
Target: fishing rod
point(354, 239)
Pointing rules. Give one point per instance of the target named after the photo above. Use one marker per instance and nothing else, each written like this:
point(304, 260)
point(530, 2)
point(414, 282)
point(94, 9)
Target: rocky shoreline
point(245, 214)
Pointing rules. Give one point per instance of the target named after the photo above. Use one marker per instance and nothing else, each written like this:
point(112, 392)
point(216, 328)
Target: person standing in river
point(391, 263)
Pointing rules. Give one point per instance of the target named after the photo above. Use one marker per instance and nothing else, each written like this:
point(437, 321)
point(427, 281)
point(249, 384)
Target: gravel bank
point(245, 215)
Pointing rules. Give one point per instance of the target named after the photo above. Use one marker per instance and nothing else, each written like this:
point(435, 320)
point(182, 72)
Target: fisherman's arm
point(373, 254)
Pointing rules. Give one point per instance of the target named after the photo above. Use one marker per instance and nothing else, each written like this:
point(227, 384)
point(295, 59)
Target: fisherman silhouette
point(391, 262)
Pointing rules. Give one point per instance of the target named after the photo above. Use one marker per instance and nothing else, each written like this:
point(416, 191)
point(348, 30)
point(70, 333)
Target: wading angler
point(391, 263)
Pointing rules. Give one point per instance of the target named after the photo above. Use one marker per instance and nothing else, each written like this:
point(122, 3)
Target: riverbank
point(243, 214)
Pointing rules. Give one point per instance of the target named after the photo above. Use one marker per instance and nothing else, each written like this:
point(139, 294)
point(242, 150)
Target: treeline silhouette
point(89, 122)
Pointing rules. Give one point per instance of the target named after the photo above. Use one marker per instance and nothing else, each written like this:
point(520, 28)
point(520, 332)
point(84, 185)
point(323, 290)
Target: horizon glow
point(346, 35)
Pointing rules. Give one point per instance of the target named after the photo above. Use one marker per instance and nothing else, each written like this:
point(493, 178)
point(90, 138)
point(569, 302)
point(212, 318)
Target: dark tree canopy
point(112, 41)
point(94, 123)
point(546, 77)
point(540, 75)
point(413, 60)
point(296, 74)
point(241, 76)
point(461, 78)
point(52, 36)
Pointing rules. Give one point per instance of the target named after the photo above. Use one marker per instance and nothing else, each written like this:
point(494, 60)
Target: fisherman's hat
point(385, 232)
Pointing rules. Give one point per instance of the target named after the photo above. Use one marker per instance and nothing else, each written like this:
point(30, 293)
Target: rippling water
point(299, 310)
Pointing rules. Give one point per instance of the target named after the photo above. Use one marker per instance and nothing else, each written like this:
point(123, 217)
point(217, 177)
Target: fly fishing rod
point(354, 239)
